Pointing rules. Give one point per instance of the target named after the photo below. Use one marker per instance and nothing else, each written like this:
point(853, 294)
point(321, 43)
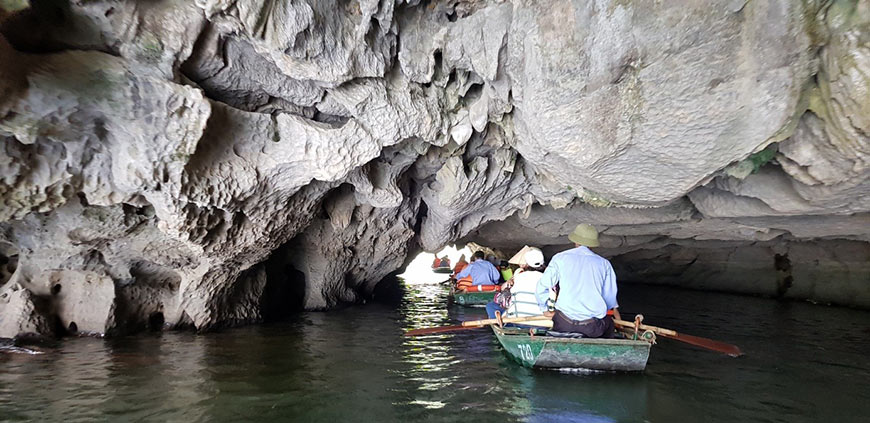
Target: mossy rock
point(14, 5)
point(752, 163)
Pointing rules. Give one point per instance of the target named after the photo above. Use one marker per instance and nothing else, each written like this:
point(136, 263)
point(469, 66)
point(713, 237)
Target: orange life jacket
point(464, 284)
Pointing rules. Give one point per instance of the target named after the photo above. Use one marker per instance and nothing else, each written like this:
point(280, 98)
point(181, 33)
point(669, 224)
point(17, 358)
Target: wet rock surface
point(196, 164)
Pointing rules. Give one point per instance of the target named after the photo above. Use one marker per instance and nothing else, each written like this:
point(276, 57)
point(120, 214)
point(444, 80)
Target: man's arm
point(548, 280)
point(495, 274)
point(608, 290)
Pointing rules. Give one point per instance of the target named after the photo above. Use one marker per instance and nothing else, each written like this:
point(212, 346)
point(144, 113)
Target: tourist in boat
point(587, 288)
point(445, 262)
point(523, 300)
point(520, 290)
point(436, 262)
point(480, 271)
point(461, 264)
point(506, 272)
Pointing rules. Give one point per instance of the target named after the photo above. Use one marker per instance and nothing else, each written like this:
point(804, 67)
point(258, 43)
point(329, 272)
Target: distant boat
point(471, 298)
point(551, 352)
point(445, 270)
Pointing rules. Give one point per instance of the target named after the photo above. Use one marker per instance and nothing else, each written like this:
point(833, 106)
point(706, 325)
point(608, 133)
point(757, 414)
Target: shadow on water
point(802, 364)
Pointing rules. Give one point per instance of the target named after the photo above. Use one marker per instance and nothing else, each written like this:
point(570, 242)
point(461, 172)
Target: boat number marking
point(526, 352)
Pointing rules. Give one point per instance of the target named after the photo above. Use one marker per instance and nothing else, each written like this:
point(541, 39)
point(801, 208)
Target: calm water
point(803, 363)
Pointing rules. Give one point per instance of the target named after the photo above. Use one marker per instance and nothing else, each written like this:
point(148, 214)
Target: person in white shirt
point(523, 300)
point(521, 288)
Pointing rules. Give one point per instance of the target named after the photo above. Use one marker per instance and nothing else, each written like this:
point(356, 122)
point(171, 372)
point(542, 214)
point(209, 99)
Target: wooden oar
point(732, 350)
point(472, 324)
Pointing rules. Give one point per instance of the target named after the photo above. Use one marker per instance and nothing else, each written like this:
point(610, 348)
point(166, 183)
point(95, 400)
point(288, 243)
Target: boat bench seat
point(564, 334)
point(577, 335)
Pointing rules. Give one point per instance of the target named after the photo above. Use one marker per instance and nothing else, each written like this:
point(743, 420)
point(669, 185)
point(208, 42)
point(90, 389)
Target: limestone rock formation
point(214, 162)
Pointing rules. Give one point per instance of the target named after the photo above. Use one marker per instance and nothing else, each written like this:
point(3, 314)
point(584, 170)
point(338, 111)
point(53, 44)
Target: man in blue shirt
point(587, 288)
point(482, 272)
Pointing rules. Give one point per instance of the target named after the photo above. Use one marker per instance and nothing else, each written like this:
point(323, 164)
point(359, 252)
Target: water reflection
point(802, 364)
point(428, 357)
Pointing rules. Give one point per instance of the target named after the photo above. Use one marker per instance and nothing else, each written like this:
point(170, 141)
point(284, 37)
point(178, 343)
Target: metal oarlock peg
point(637, 320)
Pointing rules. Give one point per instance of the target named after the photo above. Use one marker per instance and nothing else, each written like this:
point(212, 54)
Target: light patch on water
point(580, 371)
point(431, 405)
point(11, 349)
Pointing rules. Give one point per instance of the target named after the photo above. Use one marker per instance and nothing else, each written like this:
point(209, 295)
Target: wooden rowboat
point(573, 353)
point(472, 298)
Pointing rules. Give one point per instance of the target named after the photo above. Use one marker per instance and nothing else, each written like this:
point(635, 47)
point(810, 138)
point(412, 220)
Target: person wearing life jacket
point(460, 264)
point(478, 273)
point(436, 262)
point(445, 262)
point(587, 288)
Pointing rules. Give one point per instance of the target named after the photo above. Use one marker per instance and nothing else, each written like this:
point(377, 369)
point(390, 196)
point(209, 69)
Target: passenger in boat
point(481, 271)
point(436, 262)
point(460, 264)
point(506, 272)
point(445, 262)
point(587, 288)
point(518, 297)
point(523, 291)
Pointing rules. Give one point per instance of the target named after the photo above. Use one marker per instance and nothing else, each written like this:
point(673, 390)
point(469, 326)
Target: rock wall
point(824, 271)
point(174, 163)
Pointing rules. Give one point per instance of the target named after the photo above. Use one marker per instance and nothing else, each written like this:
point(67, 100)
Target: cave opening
point(284, 291)
point(8, 261)
point(421, 269)
point(156, 321)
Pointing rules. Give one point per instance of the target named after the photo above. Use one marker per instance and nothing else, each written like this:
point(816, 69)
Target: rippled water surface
point(803, 363)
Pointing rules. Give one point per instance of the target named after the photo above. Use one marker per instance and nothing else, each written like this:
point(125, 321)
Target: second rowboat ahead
point(472, 298)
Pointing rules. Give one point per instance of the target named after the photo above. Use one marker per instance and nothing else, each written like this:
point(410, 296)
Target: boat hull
point(569, 353)
point(443, 270)
point(472, 298)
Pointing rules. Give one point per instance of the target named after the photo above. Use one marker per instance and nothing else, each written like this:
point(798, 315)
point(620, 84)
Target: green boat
point(465, 298)
point(444, 270)
point(543, 351)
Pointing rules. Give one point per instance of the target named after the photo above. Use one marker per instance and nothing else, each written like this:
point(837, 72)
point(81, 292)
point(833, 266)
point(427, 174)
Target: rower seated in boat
point(480, 271)
point(587, 288)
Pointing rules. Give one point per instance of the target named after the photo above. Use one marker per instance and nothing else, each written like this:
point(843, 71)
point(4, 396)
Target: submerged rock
point(177, 164)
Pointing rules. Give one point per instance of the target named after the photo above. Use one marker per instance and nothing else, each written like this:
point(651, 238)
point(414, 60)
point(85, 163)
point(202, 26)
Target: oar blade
point(722, 347)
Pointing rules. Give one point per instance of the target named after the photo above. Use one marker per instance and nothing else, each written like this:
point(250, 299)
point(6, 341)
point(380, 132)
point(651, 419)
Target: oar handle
point(655, 329)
